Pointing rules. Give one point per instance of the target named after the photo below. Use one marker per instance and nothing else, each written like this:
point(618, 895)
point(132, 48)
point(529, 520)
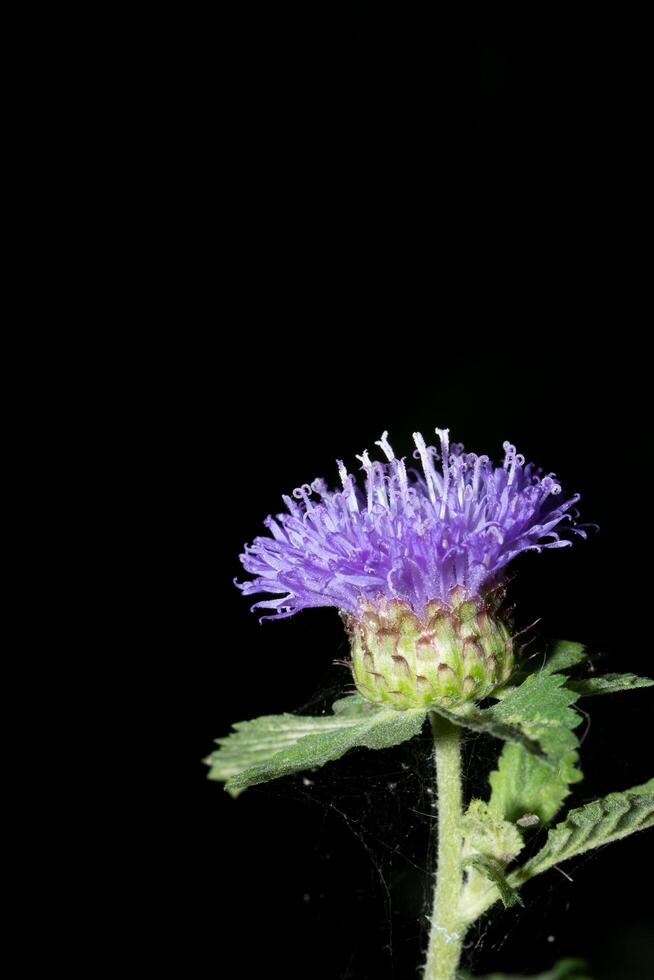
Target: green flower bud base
point(457, 652)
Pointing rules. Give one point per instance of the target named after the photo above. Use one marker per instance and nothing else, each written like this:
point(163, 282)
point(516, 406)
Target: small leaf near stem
point(493, 870)
point(598, 823)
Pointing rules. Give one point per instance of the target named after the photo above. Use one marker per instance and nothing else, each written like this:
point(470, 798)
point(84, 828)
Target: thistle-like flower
point(413, 561)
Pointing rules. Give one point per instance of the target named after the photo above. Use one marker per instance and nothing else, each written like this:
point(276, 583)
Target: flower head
point(409, 535)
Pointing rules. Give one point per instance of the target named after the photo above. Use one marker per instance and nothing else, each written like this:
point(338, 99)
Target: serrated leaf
point(278, 745)
point(540, 709)
point(493, 870)
point(255, 742)
point(608, 684)
point(536, 715)
point(524, 784)
point(601, 822)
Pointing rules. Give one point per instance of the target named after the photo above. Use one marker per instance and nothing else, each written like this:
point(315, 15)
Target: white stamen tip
point(444, 436)
point(385, 446)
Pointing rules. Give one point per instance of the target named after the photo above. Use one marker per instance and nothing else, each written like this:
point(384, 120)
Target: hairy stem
point(447, 929)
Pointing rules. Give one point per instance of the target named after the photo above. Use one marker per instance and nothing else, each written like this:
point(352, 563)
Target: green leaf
point(353, 706)
point(536, 715)
point(278, 745)
point(601, 822)
point(482, 721)
point(564, 970)
point(487, 834)
point(493, 869)
point(525, 784)
point(489, 844)
point(563, 655)
point(256, 742)
point(608, 684)
point(540, 710)
point(646, 788)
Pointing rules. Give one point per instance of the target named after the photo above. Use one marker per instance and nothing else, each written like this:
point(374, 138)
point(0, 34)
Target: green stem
point(447, 929)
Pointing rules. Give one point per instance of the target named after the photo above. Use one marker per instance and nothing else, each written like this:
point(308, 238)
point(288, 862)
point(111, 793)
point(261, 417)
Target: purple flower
point(406, 534)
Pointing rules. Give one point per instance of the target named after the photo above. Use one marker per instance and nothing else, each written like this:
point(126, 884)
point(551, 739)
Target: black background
point(397, 221)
